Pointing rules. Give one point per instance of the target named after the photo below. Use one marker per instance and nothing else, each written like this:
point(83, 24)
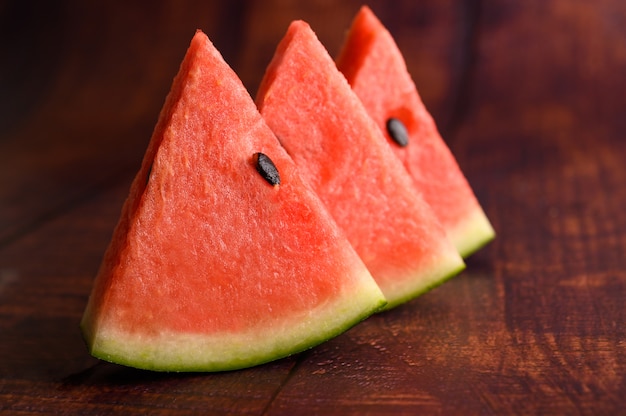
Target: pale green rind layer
point(473, 233)
point(230, 351)
point(443, 268)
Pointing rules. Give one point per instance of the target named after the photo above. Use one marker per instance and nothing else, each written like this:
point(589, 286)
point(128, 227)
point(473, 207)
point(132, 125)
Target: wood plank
point(46, 367)
point(530, 96)
point(533, 324)
point(542, 143)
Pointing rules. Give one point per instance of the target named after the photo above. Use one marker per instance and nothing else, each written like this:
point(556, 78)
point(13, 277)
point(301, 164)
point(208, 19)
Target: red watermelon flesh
point(375, 68)
point(211, 267)
point(341, 152)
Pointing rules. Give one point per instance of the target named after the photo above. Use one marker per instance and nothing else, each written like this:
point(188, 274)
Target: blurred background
point(530, 96)
point(95, 51)
point(82, 83)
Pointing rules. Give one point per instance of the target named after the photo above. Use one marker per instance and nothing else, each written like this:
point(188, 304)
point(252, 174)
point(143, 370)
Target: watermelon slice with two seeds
point(375, 68)
point(342, 153)
point(223, 257)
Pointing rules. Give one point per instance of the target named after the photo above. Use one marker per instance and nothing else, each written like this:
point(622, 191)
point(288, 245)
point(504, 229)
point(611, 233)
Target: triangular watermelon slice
point(375, 68)
point(223, 257)
point(341, 151)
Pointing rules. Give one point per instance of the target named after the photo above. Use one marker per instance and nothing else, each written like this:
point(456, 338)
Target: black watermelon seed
point(398, 132)
point(267, 169)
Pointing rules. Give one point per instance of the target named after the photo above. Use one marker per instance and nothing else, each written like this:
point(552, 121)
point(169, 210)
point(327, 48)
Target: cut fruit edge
point(266, 341)
point(472, 233)
point(176, 351)
point(443, 268)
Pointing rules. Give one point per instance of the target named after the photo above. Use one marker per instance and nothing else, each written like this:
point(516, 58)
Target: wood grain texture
point(529, 95)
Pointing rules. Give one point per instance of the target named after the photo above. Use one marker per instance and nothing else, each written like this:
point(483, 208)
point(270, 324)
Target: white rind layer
point(472, 233)
point(174, 351)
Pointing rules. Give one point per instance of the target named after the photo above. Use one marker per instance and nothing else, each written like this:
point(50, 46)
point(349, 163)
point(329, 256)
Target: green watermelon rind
point(445, 268)
point(186, 352)
point(473, 233)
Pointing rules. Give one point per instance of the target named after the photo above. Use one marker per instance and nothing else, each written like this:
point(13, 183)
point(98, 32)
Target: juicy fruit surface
point(377, 73)
point(342, 153)
point(211, 267)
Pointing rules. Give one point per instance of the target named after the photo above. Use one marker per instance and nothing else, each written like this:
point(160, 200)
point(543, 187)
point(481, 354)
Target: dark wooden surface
point(530, 97)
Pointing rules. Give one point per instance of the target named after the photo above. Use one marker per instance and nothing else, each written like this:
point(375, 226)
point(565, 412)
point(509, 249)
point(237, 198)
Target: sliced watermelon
point(219, 261)
point(375, 68)
point(342, 153)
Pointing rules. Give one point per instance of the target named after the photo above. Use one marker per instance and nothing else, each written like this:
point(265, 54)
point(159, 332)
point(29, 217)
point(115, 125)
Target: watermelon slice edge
point(205, 270)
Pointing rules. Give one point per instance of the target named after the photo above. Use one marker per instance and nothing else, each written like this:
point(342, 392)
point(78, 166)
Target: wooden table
point(531, 97)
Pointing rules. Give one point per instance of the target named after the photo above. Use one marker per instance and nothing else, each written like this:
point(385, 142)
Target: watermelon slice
point(223, 257)
point(342, 153)
point(375, 68)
